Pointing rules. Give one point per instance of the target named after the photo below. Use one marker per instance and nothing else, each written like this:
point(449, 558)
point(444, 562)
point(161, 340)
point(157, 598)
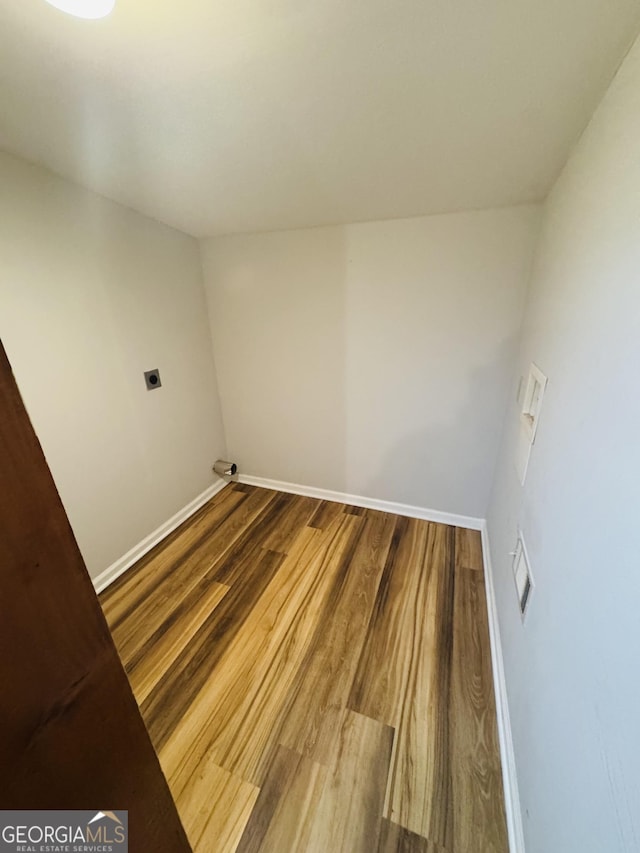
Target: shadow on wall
point(433, 466)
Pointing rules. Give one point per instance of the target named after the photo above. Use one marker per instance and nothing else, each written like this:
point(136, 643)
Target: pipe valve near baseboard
point(225, 469)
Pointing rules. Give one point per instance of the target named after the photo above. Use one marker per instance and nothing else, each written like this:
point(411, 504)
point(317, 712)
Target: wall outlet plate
point(522, 576)
point(152, 379)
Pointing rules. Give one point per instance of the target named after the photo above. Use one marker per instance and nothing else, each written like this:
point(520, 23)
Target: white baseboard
point(507, 755)
point(125, 562)
point(468, 521)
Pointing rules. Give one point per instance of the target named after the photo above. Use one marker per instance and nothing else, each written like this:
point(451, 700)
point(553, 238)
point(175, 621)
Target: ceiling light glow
point(84, 8)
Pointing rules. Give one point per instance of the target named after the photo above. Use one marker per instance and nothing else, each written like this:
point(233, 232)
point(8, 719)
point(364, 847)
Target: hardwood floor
point(316, 677)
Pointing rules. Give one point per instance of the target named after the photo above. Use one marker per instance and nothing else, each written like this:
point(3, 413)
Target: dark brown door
point(71, 734)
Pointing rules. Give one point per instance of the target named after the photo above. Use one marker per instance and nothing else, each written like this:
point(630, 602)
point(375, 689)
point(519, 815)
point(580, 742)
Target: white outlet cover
point(522, 576)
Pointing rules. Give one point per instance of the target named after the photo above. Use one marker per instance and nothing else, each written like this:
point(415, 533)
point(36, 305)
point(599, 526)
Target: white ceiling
point(248, 115)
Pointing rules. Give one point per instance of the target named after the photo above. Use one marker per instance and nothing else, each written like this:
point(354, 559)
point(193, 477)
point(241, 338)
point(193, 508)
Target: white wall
point(372, 358)
point(91, 295)
point(573, 668)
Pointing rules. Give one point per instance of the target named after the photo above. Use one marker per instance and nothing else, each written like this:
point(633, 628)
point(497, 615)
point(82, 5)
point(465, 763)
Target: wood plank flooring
point(316, 678)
